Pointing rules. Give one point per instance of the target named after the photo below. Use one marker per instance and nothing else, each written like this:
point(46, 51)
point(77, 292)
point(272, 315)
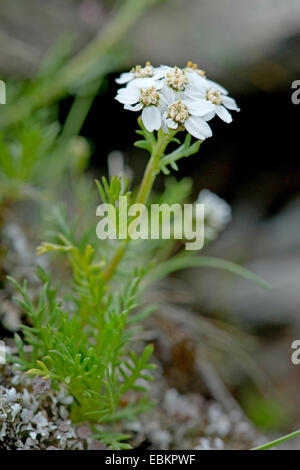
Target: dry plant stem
point(216, 386)
point(150, 174)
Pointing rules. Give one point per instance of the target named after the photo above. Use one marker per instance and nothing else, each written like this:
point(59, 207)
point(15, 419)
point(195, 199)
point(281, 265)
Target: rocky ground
point(34, 416)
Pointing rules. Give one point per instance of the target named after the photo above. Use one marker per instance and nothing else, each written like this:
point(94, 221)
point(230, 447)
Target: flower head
point(175, 98)
point(143, 94)
point(148, 71)
point(210, 92)
point(185, 114)
point(176, 79)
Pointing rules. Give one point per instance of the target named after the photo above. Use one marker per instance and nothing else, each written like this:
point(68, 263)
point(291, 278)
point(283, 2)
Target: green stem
point(152, 168)
point(110, 270)
point(274, 443)
point(150, 174)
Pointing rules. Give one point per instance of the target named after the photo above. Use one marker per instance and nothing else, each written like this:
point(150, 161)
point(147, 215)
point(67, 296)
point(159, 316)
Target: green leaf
point(184, 150)
point(143, 144)
point(101, 192)
point(276, 442)
point(114, 441)
point(20, 346)
point(183, 261)
point(149, 139)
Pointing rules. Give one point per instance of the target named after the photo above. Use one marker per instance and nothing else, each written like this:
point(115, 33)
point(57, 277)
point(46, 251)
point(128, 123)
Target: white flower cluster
point(217, 213)
point(175, 98)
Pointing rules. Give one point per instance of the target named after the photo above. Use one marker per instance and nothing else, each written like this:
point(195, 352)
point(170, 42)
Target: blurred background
point(253, 49)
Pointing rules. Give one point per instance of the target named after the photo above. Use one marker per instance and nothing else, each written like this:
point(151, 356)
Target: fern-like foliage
point(84, 342)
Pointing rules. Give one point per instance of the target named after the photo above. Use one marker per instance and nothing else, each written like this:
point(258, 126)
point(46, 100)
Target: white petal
point(199, 107)
point(145, 82)
point(162, 104)
point(128, 95)
point(195, 94)
point(151, 118)
point(198, 128)
point(196, 87)
point(159, 84)
point(171, 124)
point(209, 116)
point(198, 82)
point(125, 78)
point(223, 114)
point(168, 94)
point(164, 67)
point(230, 103)
point(179, 95)
point(217, 87)
point(136, 107)
point(159, 72)
point(164, 124)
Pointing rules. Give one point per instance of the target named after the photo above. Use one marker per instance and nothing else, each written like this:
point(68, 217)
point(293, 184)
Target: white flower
point(217, 213)
point(193, 69)
point(181, 81)
point(175, 98)
point(204, 91)
point(185, 114)
point(141, 72)
point(190, 80)
point(143, 94)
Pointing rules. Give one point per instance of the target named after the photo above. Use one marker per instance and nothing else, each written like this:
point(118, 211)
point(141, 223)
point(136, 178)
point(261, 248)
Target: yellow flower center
point(214, 96)
point(142, 72)
point(149, 96)
point(190, 67)
point(176, 79)
point(178, 111)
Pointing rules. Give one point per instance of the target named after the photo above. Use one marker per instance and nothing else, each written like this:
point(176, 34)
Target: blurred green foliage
point(267, 413)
